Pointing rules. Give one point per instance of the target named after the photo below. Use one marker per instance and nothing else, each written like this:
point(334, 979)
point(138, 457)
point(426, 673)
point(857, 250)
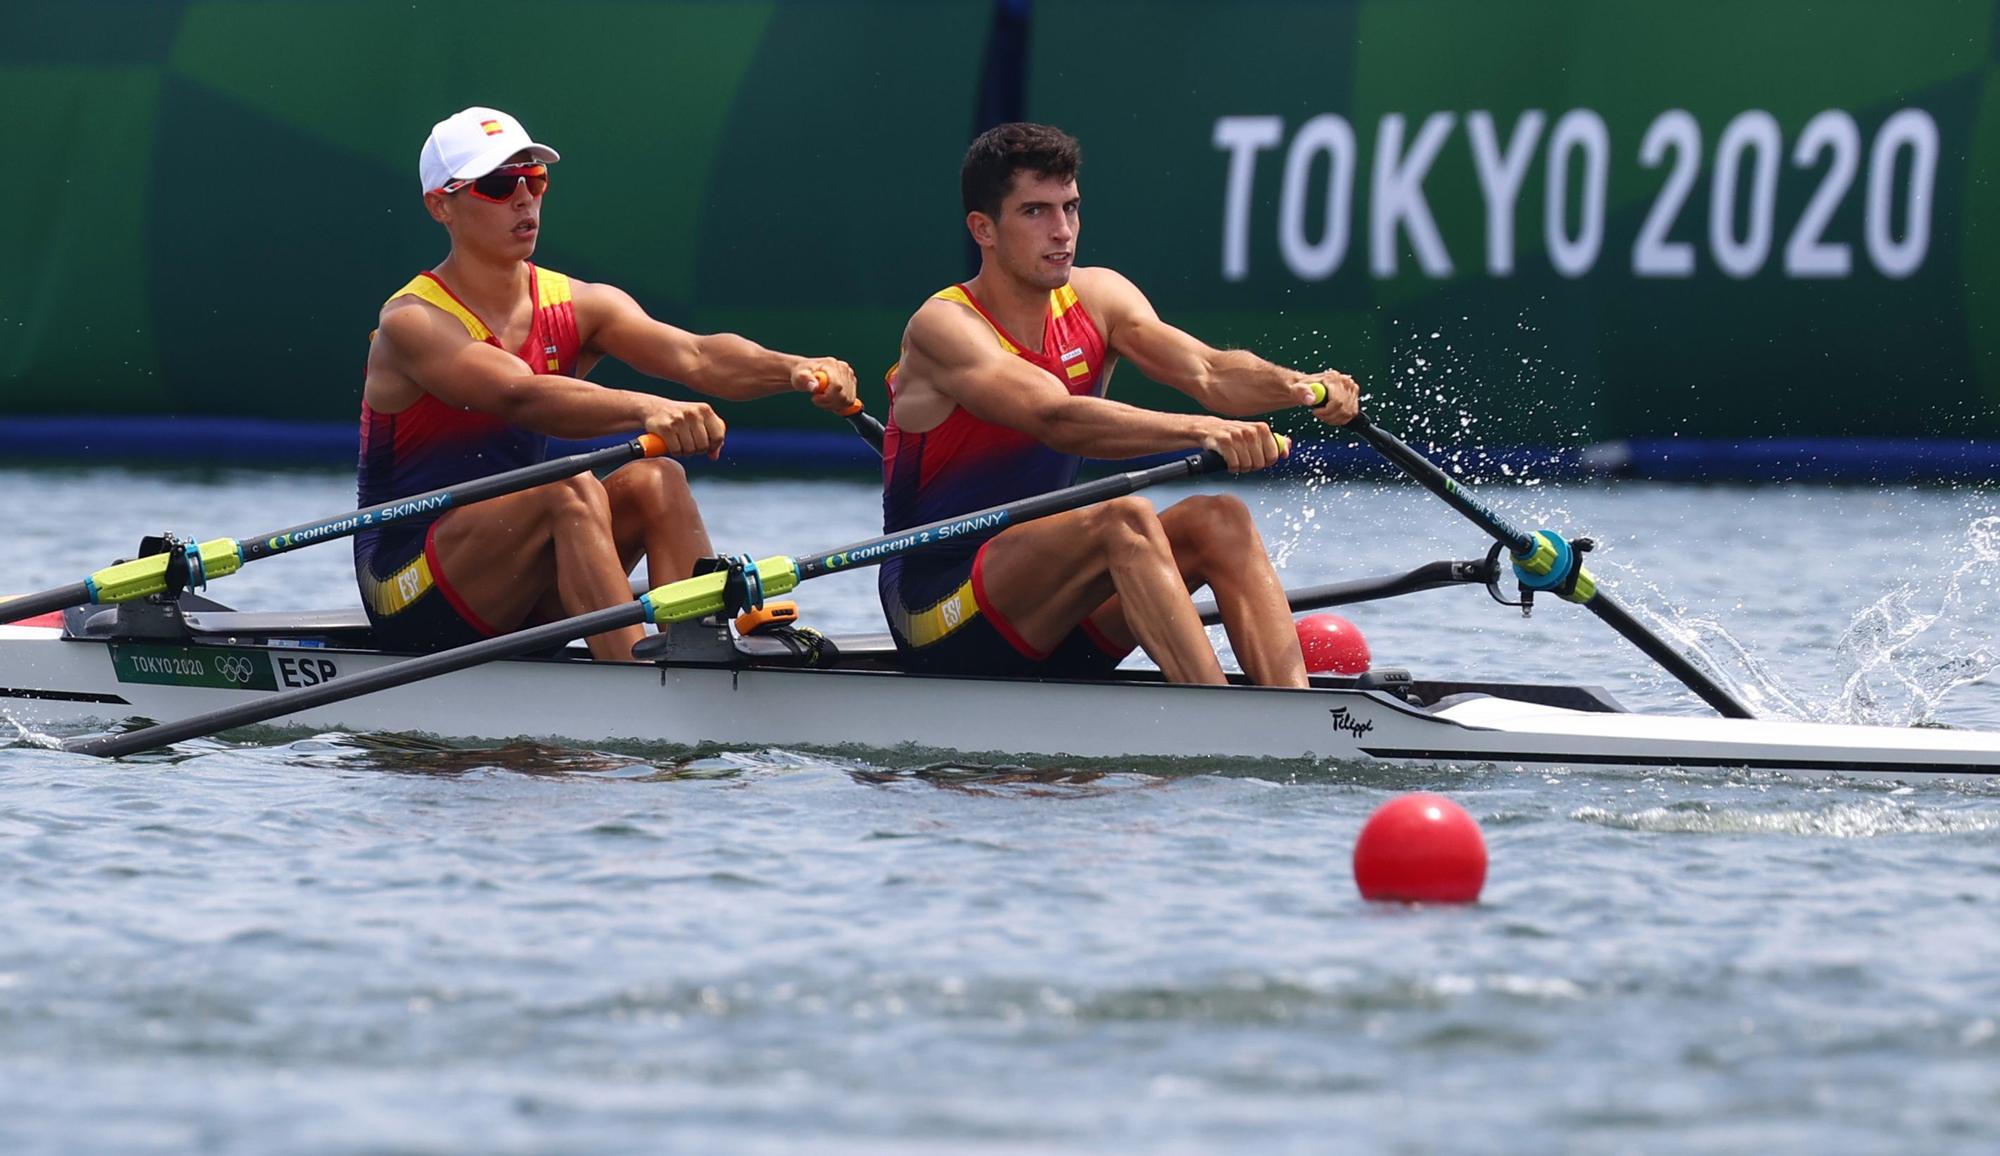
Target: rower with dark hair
point(999, 394)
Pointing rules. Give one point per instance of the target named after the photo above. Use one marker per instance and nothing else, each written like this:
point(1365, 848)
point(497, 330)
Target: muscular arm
point(720, 364)
point(950, 350)
point(433, 352)
point(1226, 381)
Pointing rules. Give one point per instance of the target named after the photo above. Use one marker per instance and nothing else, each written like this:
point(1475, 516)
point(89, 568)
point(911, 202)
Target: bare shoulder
point(1090, 280)
point(937, 311)
point(604, 312)
point(599, 298)
point(944, 329)
point(941, 319)
point(1110, 296)
point(408, 325)
point(410, 337)
point(583, 291)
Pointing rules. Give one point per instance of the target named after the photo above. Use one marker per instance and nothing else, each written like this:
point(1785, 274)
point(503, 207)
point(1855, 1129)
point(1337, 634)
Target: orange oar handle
point(819, 375)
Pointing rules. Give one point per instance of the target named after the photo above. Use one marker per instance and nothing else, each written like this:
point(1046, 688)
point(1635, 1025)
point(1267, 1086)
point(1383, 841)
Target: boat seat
point(1437, 695)
point(851, 650)
point(710, 642)
point(344, 624)
point(199, 616)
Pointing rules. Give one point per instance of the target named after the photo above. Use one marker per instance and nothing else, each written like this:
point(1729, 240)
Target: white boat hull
point(49, 682)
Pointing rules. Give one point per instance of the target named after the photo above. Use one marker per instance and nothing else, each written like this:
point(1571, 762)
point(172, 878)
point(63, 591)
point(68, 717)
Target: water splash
point(1905, 658)
point(1711, 647)
point(1896, 662)
point(25, 735)
point(1438, 397)
point(1298, 514)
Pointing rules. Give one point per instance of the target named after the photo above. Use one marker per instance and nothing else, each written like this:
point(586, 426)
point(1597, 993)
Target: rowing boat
point(702, 684)
point(135, 643)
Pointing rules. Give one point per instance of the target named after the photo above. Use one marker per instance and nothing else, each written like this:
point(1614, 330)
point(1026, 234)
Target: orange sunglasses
point(498, 186)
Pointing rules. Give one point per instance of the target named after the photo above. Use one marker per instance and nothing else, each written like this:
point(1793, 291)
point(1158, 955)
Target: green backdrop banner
point(215, 198)
point(1576, 220)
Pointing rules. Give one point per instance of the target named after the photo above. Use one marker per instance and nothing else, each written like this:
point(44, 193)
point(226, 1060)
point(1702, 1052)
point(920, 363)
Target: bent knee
point(582, 497)
point(1212, 509)
point(1130, 512)
point(1129, 522)
point(655, 488)
point(665, 473)
point(1216, 525)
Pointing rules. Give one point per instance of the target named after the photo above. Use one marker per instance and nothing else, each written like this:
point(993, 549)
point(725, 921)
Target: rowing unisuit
point(431, 445)
point(933, 599)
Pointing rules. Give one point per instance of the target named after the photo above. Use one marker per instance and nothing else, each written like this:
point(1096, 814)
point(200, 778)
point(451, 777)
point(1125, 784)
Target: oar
point(1545, 561)
point(223, 556)
point(871, 431)
point(865, 424)
point(1429, 576)
point(675, 602)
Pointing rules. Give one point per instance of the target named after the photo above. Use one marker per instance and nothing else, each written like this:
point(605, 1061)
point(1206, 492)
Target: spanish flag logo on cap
point(492, 127)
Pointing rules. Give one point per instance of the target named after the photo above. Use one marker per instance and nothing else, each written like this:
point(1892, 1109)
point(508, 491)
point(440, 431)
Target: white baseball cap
point(473, 143)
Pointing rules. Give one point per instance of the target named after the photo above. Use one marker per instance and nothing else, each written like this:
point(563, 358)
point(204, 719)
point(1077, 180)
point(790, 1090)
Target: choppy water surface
point(373, 944)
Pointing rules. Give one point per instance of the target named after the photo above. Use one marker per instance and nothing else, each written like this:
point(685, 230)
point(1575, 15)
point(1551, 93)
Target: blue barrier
point(261, 442)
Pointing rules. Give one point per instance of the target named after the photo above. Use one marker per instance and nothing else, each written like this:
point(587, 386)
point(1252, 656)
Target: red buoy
point(1332, 643)
point(1420, 849)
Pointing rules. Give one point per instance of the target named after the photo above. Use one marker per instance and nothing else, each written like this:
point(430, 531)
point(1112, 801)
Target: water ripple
point(1846, 820)
point(303, 942)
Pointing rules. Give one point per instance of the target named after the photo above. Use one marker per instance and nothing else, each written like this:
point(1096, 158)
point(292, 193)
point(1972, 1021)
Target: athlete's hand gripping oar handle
point(870, 430)
point(694, 597)
point(220, 557)
point(1541, 557)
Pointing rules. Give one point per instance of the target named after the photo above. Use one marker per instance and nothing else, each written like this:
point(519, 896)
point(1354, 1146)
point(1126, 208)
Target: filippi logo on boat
point(1343, 720)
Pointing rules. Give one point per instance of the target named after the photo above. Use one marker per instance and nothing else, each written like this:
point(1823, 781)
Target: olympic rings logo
point(235, 668)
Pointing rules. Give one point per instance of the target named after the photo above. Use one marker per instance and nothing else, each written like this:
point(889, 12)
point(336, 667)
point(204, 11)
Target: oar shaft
point(125, 581)
point(433, 504)
point(1440, 483)
point(1522, 544)
point(29, 605)
point(389, 677)
point(1429, 576)
point(864, 423)
point(1672, 661)
point(988, 522)
point(870, 430)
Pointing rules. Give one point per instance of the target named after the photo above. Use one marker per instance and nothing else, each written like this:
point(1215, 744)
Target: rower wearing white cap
point(478, 362)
